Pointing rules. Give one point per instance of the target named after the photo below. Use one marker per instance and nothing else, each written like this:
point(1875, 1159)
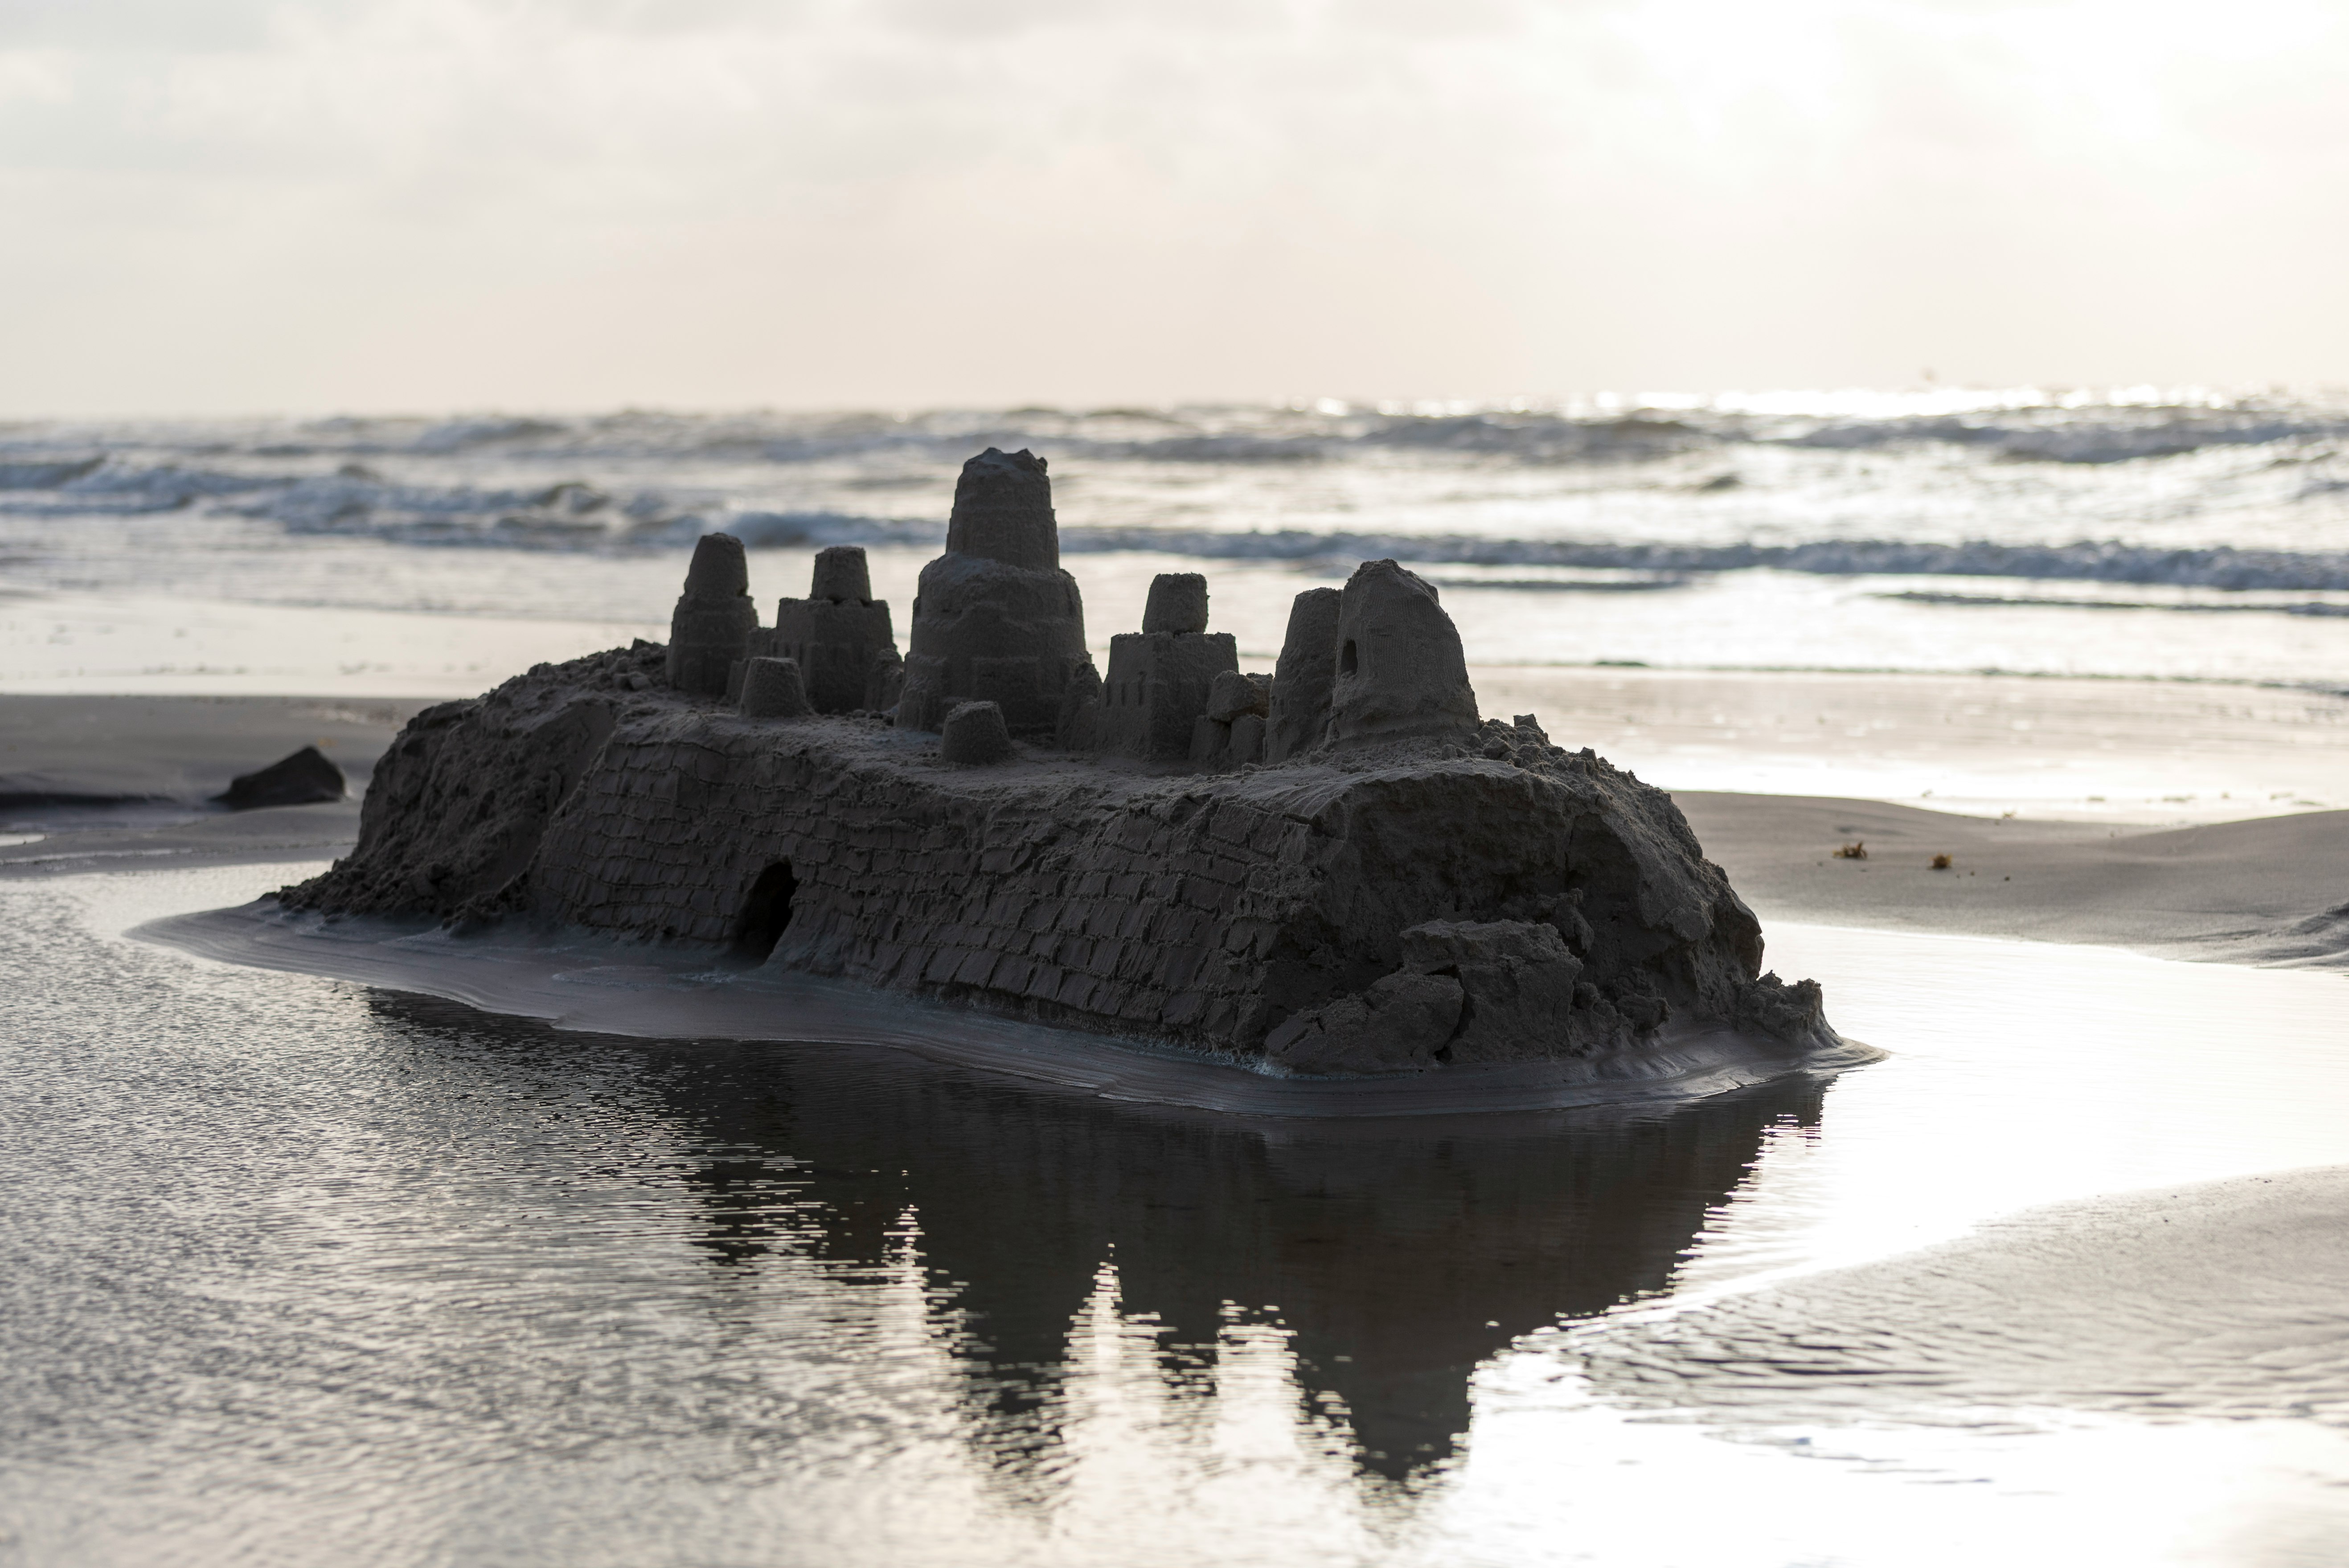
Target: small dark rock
point(304, 779)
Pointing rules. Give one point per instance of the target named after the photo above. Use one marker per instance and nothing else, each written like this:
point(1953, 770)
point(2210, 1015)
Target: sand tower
point(1160, 677)
point(1401, 673)
point(996, 619)
point(714, 620)
point(837, 633)
point(1302, 680)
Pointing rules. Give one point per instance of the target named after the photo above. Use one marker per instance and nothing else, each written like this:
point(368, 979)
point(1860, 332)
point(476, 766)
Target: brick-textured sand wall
point(1147, 909)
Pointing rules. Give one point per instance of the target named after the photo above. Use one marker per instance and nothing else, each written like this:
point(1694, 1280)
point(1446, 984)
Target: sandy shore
point(2149, 753)
point(88, 781)
point(2270, 889)
point(123, 751)
point(92, 782)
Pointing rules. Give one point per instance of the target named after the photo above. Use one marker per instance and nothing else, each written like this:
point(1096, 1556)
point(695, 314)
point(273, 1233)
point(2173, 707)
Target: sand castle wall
point(1152, 915)
point(1204, 911)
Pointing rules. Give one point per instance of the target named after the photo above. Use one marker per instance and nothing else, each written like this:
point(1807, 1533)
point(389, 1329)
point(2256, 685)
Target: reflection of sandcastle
point(1398, 1258)
point(1390, 1260)
point(1337, 868)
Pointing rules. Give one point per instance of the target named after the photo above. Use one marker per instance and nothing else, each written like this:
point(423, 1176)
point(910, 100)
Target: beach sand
point(2267, 891)
point(2144, 752)
point(132, 750)
point(90, 782)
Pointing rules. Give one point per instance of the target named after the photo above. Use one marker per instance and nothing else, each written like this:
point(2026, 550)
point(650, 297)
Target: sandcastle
point(1334, 868)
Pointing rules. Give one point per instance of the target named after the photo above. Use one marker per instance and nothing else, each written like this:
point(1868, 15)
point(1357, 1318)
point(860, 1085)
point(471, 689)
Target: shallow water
point(295, 1272)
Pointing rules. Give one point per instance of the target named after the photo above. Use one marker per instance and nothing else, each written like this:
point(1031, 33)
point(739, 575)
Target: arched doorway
point(766, 910)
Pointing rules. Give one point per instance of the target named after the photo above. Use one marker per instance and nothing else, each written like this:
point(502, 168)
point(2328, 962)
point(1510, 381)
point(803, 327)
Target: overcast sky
point(239, 205)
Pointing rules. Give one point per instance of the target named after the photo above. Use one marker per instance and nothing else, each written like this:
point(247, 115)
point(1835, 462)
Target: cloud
point(441, 201)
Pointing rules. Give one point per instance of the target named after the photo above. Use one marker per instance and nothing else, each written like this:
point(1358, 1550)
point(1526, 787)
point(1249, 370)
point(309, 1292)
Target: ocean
point(2132, 535)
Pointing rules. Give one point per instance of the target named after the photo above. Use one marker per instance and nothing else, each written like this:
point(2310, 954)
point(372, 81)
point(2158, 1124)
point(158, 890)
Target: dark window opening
point(1346, 658)
point(765, 912)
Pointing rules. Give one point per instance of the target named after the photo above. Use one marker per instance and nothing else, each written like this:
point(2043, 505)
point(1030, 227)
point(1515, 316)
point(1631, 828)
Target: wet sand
point(743, 1294)
point(129, 750)
point(92, 782)
point(2146, 752)
point(2273, 890)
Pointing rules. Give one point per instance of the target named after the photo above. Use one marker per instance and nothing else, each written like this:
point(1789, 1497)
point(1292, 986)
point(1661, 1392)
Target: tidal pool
point(294, 1271)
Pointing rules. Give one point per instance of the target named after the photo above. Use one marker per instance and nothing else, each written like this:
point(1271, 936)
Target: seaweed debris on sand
point(1344, 870)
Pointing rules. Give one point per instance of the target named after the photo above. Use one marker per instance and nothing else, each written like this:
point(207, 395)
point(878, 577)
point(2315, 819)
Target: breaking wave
point(2179, 490)
point(103, 483)
point(2089, 561)
point(2083, 560)
point(2022, 424)
point(574, 515)
point(2326, 609)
